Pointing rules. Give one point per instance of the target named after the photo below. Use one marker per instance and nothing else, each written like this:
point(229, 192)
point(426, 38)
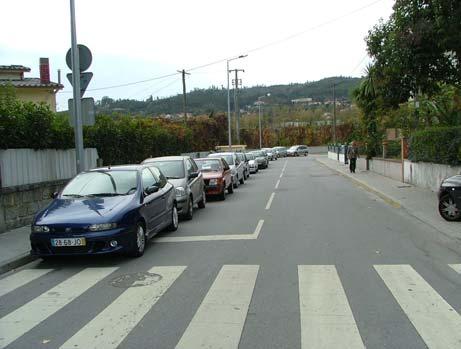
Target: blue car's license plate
point(69, 242)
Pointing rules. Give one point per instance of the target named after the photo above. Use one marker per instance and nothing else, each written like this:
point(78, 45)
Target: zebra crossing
point(325, 315)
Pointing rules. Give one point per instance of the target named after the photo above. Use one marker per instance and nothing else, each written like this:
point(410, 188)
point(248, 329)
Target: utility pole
point(184, 102)
point(260, 132)
point(236, 102)
point(334, 113)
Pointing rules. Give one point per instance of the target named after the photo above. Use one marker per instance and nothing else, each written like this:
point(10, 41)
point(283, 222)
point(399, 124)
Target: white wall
point(428, 175)
point(27, 166)
point(387, 167)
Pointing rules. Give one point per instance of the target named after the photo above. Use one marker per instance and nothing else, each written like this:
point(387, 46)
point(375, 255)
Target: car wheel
point(236, 183)
point(448, 209)
point(190, 209)
point(202, 203)
point(139, 243)
point(222, 195)
point(174, 220)
point(230, 188)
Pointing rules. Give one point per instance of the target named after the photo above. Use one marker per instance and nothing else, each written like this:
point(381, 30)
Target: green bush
point(440, 145)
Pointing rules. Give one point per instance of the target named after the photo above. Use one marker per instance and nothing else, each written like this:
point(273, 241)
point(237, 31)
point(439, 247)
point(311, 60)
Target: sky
point(286, 41)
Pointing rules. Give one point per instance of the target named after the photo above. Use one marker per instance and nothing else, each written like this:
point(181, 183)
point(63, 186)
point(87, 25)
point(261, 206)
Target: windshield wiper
point(74, 195)
point(105, 194)
point(172, 177)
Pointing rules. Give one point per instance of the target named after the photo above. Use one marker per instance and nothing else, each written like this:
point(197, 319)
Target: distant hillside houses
point(308, 101)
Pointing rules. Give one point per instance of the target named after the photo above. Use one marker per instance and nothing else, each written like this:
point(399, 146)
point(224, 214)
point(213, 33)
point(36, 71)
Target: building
point(35, 90)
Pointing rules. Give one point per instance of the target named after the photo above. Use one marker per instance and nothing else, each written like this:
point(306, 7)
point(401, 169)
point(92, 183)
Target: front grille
point(62, 229)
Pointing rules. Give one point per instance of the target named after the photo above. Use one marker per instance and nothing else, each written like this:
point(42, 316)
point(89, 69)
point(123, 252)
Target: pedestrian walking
point(352, 155)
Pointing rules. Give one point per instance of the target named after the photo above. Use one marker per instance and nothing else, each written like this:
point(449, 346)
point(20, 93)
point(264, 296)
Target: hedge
point(441, 145)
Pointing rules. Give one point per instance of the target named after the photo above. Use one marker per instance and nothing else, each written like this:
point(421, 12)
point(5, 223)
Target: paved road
point(298, 257)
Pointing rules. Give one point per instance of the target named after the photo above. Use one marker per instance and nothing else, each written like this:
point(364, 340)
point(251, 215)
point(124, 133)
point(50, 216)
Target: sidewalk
point(14, 249)
point(420, 203)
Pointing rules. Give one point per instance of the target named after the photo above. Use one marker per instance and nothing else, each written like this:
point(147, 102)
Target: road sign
point(85, 58)
point(88, 112)
point(85, 79)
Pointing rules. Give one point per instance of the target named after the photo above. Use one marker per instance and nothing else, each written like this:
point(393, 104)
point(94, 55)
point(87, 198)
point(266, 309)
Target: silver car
point(183, 173)
point(242, 157)
point(236, 166)
point(261, 158)
point(252, 163)
point(280, 151)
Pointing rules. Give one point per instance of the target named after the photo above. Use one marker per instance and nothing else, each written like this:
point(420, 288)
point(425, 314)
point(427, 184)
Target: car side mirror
point(193, 175)
point(54, 195)
point(152, 189)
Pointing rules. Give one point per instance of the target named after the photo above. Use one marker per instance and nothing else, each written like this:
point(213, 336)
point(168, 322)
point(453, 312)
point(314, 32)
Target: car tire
point(174, 223)
point(448, 209)
point(230, 188)
point(139, 242)
point(202, 203)
point(222, 195)
point(190, 209)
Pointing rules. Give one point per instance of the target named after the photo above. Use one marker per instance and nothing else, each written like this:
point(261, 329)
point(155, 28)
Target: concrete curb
point(16, 262)
point(386, 198)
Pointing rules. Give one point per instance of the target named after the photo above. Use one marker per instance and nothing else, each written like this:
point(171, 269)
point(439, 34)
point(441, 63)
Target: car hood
point(454, 181)
point(252, 162)
point(85, 210)
point(178, 182)
point(211, 175)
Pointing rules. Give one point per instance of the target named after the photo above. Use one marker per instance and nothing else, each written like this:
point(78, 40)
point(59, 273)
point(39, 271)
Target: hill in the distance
point(200, 101)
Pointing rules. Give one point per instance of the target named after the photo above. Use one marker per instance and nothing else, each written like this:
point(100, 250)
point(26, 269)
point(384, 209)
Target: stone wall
point(19, 204)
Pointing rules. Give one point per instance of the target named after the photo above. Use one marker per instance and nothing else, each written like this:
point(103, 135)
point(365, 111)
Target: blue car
point(106, 210)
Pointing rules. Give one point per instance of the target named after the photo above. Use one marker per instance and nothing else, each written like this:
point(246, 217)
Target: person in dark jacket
point(352, 155)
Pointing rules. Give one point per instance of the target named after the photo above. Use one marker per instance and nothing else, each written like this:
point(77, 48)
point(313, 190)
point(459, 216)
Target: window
point(189, 169)
point(160, 177)
point(148, 179)
point(172, 169)
point(194, 165)
point(102, 183)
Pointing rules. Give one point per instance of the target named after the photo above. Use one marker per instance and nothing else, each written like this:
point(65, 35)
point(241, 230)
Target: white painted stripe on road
point(281, 175)
point(23, 319)
point(277, 184)
point(326, 317)
point(114, 323)
point(269, 203)
point(16, 280)
point(456, 267)
point(438, 324)
point(219, 321)
point(201, 238)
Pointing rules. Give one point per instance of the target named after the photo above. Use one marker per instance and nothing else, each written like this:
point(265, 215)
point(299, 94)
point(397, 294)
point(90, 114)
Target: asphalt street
point(297, 257)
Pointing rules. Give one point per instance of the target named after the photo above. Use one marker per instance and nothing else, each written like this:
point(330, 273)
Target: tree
point(417, 49)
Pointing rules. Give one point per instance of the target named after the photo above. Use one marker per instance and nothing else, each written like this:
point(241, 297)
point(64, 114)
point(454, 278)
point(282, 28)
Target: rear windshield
point(229, 158)
point(172, 169)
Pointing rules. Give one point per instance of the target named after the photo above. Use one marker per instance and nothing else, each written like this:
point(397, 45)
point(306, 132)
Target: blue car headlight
point(102, 226)
point(40, 229)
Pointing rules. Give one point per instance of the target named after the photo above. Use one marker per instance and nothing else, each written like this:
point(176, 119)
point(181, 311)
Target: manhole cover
point(135, 280)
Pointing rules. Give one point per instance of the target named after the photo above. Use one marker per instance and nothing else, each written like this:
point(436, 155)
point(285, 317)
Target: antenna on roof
point(108, 167)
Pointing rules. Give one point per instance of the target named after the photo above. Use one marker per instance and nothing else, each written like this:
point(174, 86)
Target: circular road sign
point(85, 57)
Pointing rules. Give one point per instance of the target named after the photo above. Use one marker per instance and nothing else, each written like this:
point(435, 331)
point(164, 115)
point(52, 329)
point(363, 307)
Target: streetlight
point(259, 119)
point(229, 129)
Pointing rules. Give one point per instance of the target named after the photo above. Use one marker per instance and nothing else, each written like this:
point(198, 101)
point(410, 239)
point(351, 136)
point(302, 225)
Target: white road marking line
point(326, 317)
point(219, 321)
point(23, 319)
point(269, 203)
point(110, 327)
point(438, 324)
point(456, 267)
point(281, 175)
point(201, 238)
point(20, 278)
point(277, 184)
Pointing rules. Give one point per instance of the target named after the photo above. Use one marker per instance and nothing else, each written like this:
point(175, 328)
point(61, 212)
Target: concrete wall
point(387, 167)
point(27, 166)
point(428, 175)
point(19, 204)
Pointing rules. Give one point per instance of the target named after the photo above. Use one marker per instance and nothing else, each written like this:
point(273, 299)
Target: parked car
point(261, 159)
point(242, 158)
point(106, 210)
point(270, 153)
point(236, 166)
point(450, 198)
point(183, 173)
point(252, 163)
point(298, 150)
point(281, 152)
point(217, 176)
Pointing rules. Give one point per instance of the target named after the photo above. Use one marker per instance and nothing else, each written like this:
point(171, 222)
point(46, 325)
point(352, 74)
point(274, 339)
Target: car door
point(167, 196)
point(193, 183)
point(152, 203)
point(239, 166)
point(227, 175)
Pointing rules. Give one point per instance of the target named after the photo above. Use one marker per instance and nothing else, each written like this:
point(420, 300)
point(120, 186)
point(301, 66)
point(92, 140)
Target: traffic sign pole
point(78, 129)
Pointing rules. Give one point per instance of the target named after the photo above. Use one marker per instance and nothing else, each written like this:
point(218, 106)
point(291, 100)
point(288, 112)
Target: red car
point(217, 176)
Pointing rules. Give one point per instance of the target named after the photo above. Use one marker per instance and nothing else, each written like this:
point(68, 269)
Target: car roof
point(210, 158)
point(133, 167)
point(166, 158)
point(224, 153)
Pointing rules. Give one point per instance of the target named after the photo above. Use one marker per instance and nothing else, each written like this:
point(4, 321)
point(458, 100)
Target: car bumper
point(96, 242)
point(214, 189)
point(181, 204)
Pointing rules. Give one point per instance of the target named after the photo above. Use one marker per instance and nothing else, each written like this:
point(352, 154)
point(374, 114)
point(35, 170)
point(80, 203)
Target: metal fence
point(28, 166)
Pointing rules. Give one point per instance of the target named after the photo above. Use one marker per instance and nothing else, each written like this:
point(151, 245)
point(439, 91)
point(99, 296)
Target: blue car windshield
point(102, 183)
